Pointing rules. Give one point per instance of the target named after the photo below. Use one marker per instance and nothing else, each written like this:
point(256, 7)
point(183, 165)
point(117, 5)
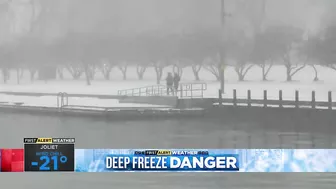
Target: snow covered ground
point(303, 82)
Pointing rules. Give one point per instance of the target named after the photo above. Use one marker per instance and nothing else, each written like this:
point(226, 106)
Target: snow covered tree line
point(85, 54)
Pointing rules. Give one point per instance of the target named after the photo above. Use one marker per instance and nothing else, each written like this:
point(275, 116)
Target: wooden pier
point(279, 103)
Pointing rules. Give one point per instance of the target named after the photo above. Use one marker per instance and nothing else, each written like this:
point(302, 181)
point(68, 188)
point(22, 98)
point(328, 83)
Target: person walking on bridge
point(170, 83)
point(176, 79)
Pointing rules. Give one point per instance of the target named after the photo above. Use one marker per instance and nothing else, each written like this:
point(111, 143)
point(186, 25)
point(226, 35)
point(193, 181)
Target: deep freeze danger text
point(136, 162)
point(171, 162)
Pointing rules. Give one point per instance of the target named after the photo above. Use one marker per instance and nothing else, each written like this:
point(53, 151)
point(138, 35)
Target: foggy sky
point(173, 15)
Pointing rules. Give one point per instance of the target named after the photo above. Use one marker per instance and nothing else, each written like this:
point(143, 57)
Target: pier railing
point(281, 103)
point(192, 90)
point(185, 90)
point(154, 90)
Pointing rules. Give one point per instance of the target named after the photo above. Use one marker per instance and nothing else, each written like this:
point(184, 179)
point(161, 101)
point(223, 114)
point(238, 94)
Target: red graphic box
point(12, 160)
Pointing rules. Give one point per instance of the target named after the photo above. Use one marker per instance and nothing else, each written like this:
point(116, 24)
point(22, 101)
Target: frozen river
point(160, 134)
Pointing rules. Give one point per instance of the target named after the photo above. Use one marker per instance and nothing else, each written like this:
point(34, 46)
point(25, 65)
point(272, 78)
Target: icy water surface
point(161, 134)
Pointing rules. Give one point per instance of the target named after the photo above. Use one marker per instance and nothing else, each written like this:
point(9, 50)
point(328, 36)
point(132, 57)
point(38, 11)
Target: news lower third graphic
point(58, 154)
point(49, 154)
point(244, 160)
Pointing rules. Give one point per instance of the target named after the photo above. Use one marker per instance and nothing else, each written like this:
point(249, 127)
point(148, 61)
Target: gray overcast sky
point(139, 15)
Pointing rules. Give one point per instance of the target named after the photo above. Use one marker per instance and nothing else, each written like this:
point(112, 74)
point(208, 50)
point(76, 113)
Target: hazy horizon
point(130, 16)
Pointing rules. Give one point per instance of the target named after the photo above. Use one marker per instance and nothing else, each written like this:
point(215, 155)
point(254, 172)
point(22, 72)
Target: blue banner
point(205, 160)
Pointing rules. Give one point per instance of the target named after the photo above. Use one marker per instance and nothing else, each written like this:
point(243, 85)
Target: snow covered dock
point(87, 106)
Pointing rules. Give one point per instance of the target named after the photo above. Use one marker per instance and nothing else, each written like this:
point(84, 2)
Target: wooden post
point(58, 100)
point(296, 99)
point(67, 99)
point(280, 99)
point(313, 141)
point(249, 141)
point(62, 100)
point(330, 100)
point(220, 98)
point(265, 98)
point(191, 90)
point(313, 100)
point(249, 98)
point(234, 97)
point(296, 125)
point(313, 104)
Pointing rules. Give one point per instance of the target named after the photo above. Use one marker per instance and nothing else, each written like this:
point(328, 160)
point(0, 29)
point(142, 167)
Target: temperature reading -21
point(54, 160)
point(38, 158)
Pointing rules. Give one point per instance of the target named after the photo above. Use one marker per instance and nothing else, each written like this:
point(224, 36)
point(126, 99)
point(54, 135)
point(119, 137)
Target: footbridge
point(185, 90)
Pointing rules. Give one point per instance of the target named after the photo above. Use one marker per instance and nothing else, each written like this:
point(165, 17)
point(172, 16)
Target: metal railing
point(154, 90)
point(192, 90)
point(185, 90)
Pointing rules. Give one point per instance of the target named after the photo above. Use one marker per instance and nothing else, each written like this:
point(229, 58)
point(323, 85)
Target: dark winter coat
point(170, 80)
point(176, 80)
